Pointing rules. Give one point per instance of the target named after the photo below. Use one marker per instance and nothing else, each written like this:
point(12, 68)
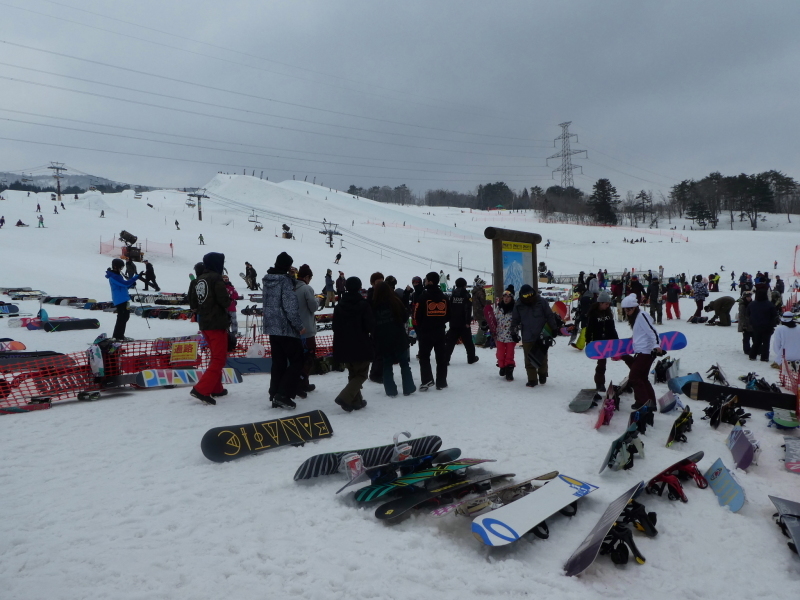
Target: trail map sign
point(513, 258)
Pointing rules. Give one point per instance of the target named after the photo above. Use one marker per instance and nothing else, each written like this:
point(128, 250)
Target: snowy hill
point(114, 499)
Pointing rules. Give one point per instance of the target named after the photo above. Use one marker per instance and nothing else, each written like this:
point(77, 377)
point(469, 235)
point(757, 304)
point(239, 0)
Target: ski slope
point(113, 499)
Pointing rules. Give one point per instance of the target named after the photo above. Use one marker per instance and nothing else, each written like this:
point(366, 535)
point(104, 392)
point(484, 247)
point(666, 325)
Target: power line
point(239, 166)
point(195, 146)
point(246, 95)
point(62, 19)
point(255, 112)
point(189, 137)
point(191, 112)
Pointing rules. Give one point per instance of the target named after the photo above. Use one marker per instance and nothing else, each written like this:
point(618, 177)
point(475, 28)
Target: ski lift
point(253, 218)
point(190, 203)
point(258, 226)
point(137, 196)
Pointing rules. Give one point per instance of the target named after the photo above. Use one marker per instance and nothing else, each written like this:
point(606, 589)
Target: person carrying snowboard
point(250, 276)
point(532, 314)
point(600, 326)
point(352, 345)
point(506, 337)
point(283, 325)
point(234, 295)
point(646, 346)
point(149, 277)
point(430, 317)
point(120, 296)
point(211, 301)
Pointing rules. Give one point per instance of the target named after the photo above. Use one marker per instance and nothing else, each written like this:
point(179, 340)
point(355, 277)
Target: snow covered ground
point(113, 499)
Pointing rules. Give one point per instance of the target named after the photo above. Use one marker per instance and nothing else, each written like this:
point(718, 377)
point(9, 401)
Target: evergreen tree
point(602, 202)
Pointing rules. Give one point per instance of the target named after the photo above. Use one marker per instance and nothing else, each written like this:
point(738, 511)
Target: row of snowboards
point(418, 474)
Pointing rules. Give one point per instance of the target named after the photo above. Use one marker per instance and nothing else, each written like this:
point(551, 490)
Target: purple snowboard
point(672, 340)
point(742, 449)
point(488, 314)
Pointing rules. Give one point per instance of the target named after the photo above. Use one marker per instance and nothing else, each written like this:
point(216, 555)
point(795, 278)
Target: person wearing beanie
point(340, 289)
point(505, 337)
point(210, 299)
point(600, 326)
point(763, 317)
point(130, 268)
point(431, 314)
point(418, 288)
point(352, 343)
point(478, 299)
point(376, 370)
point(330, 293)
point(699, 293)
point(460, 321)
point(307, 306)
point(584, 304)
point(743, 326)
point(654, 292)
point(646, 346)
point(786, 342)
point(722, 310)
point(391, 338)
point(283, 325)
point(531, 315)
point(673, 292)
point(120, 296)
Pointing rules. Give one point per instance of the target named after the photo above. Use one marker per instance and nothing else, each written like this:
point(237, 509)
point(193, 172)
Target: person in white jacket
point(786, 339)
point(646, 346)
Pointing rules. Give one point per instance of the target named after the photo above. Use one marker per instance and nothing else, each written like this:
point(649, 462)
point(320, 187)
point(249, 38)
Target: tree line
point(704, 201)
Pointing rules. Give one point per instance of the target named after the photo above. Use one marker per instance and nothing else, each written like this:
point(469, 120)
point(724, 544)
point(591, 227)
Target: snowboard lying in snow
point(788, 519)
point(223, 444)
point(701, 390)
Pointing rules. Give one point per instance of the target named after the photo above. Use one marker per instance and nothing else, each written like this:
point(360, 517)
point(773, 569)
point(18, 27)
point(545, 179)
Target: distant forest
point(73, 189)
point(706, 201)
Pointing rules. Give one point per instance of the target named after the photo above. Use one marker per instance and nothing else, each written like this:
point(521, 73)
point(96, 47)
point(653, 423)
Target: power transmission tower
point(199, 195)
point(566, 155)
point(57, 168)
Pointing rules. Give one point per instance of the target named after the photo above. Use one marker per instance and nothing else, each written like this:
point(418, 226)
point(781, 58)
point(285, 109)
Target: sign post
point(513, 258)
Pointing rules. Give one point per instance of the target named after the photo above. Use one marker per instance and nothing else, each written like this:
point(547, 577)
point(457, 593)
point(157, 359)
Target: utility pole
point(199, 195)
point(57, 168)
point(566, 155)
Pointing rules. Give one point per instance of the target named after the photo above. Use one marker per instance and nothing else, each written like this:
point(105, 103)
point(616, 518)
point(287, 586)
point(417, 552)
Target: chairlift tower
point(199, 195)
point(329, 230)
point(57, 168)
point(566, 155)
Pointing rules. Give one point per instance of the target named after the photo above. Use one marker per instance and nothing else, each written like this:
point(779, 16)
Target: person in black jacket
point(600, 326)
point(763, 317)
point(584, 304)
point(149, 276)
point(250, 276)
point(210, 299)
point(635, 287)
point(376, 370)
point(391, 339)
point(130, 268)
point(430, 317)
point(352, 345)
point(654, 292)
point(460, 321)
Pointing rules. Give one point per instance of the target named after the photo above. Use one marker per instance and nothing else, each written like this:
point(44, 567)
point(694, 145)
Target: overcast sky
point(442, 94)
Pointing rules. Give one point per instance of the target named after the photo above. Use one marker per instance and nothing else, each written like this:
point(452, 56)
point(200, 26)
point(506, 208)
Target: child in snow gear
point(460, 320)
point(211, 301)
point(532, 315)
point(234, 329)
point(646, 346)
point(283, 325)
point(431, 314)
point(352, 345)
point(120, 295)
point(722, 310)
point(391, 339)
point(600, 326)
point(506, 338)
point(700, 293)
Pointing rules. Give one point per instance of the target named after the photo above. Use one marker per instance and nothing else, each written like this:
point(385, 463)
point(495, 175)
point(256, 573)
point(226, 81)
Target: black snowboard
point(328, 464)
point(72, 325)
point(222, 444)
point(701, 390)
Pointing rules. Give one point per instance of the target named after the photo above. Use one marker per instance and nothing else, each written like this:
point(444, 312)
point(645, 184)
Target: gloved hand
point(658, 352)
point(515, 338)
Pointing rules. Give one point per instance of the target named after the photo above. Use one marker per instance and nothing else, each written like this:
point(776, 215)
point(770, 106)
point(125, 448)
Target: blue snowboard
point(676, 384)
point(728, 491)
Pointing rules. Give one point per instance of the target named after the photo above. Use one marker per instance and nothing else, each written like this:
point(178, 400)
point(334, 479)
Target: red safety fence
point(63, 376)
point(114, 246)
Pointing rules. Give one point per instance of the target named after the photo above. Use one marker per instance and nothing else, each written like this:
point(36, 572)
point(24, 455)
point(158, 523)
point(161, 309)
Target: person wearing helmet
point(120, 295)
point(646, 346)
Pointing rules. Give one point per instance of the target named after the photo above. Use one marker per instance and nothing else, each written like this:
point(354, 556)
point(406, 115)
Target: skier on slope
point(646, 346)
point(2, 221)
point(600, 326)
point(120, 296)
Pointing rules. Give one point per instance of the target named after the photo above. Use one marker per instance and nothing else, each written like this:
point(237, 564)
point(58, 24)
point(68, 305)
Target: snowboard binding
point(716, 375)
point(670, 483)
point(618, 545)
point(784, 529)
point(643, 417)
point(636, 514)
